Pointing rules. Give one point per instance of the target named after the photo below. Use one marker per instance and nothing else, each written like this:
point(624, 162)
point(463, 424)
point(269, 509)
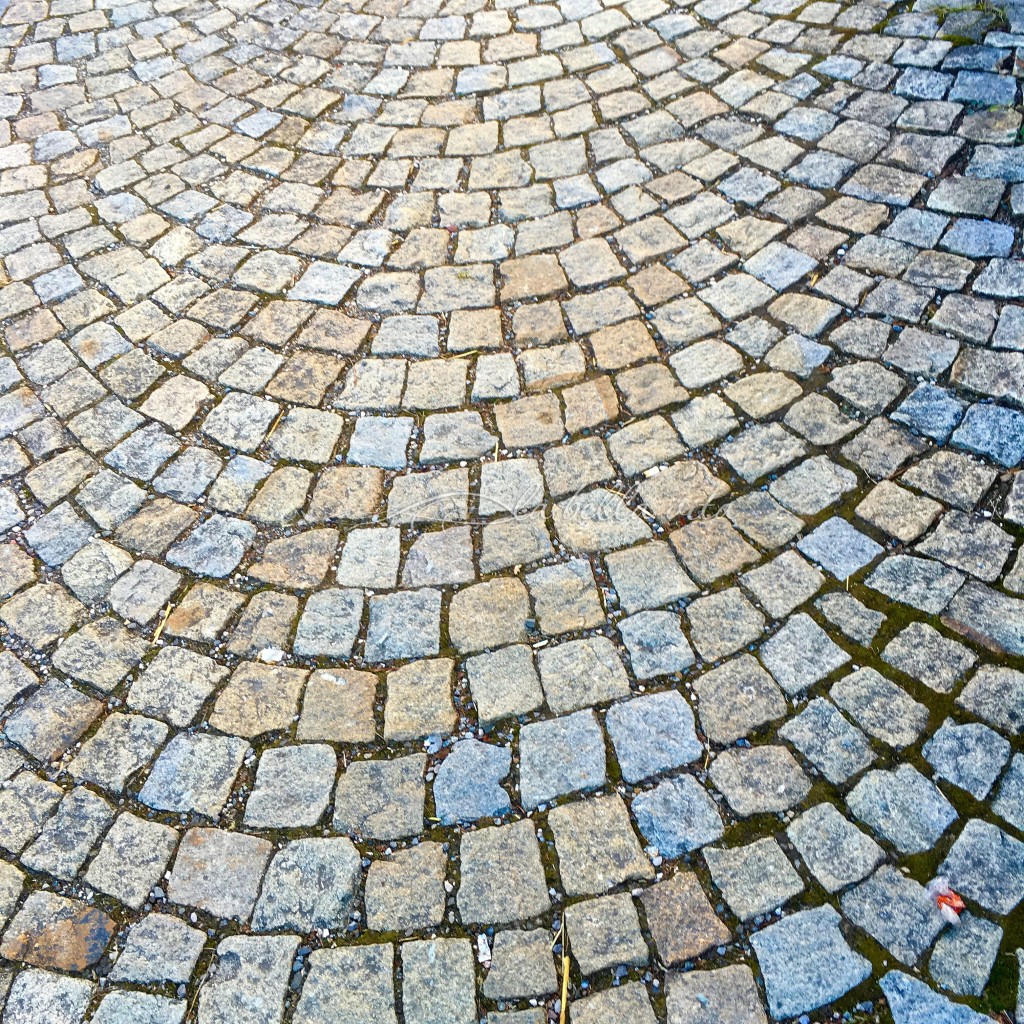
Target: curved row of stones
point(504, 490)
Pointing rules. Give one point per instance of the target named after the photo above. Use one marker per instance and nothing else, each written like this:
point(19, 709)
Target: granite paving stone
point(911, 999)
point(806, 962)
point(902, 807)
point(758, 780)
point(676, 816)
point(586, 868)
point(962, 958)
point(896, 911)
point(406, 891)
point(986, 864)
point(309, 883)
point(753, 879)
point(717, 995)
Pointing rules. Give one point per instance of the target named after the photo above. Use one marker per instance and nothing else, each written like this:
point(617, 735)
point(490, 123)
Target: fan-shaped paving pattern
point(485, 474)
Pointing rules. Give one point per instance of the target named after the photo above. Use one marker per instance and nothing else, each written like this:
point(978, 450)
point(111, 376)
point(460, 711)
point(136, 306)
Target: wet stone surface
point(490, 481)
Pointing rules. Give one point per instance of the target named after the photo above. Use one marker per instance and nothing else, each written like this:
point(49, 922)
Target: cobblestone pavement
point(509, 504)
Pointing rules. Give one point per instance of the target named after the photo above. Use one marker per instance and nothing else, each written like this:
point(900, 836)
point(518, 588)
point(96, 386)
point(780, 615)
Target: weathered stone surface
point(381, 798)
point(310, 883)
point(258, 699)
point(963, 957)
point(352, 984)
point(896, 911)
point(682, 921)
point(677, 816)
point(996, 694)
point(53, 932)
point(717, 996)
point(250, 979)
point(194, 773)
point(467, 786)
point(502, 875)
point(219, 871)
point(835, 850)
point(605, 932)
point(293, 786)
point(438, 983)
point(903, 807)
point(597, 848)
point(159, 948)
point(406, 890)
point(132, 859)
point(754, 878)
point(38, 995)
point(601, 419)
point(175, 685)
point(67, 839)
point(806, 962)
point(759, 780)
point(986, 864)
point(652, 734)
point(911, 1001)
point(737, 698)
point(522, 965)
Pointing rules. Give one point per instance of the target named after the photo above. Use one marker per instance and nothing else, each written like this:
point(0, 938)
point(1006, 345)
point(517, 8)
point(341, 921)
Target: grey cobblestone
point(515, 460)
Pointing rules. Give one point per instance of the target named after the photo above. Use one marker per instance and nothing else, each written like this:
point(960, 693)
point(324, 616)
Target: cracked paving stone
point(736, 699)
point(723, 623)
point(996, 694)
point(880, 707)
point(681, 919)
point(175, 685)
point(309, 884)
point(258, 699)
point(580, 673)
point(801, 654)
point(924, 653)
point(969, 756)
point(912, 1000)
point(836, 747)
point(677, 816)
point(753, 879)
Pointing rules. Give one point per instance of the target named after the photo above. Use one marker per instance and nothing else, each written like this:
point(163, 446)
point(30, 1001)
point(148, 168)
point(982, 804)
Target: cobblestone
point(536, 467)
